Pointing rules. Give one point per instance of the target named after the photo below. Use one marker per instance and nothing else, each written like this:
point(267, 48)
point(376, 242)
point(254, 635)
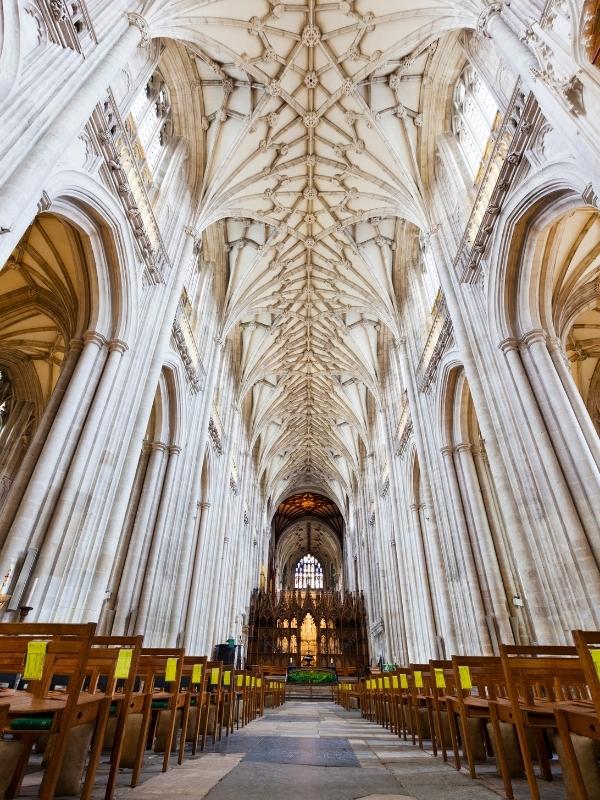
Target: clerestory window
point(151, 118)
point(474, 117)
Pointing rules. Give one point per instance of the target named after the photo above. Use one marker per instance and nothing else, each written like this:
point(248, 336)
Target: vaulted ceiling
point(311, 113)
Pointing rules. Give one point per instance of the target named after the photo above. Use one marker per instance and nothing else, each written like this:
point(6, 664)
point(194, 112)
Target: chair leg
point(14, 787)
point(96, 750)
point(534, 790)
point(500, 755)
point(570, 757)
point(454, 737)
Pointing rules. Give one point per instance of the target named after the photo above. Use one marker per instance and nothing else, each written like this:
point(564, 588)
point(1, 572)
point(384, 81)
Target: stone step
point(308, 692)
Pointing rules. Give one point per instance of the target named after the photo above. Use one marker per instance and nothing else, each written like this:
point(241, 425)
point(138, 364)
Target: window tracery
point(308, 573)
point(150, 119)
point(474, 117)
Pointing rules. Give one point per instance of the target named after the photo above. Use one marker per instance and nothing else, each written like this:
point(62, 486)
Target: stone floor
point(315, 750)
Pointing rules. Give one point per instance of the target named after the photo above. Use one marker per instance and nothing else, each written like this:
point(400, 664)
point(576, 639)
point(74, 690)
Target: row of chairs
point(519, 708)
point(71, 695)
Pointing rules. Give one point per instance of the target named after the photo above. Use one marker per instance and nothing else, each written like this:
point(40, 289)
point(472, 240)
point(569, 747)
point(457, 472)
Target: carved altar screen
point(330, 626)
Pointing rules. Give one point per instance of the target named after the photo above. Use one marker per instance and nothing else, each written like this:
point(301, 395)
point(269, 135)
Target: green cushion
point(160, 704)
point(113, 710)
point(33, 723)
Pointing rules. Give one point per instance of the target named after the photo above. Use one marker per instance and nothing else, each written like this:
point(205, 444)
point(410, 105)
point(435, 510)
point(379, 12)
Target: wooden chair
point(581, 717)
point(111, 668)
point(41, 652)
point(443, 688)
point(421, 700)
point(212, 728)
point(478, 681)
point(193, 678)
point(539, 681)
point(405, 703)
point(240, 697)
point(158, 680)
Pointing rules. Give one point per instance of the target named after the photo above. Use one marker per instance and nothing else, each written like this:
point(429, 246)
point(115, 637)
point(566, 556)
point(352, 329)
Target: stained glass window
point(308, 573)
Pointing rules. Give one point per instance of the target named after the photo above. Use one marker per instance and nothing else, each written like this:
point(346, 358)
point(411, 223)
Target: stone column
point(565, 534)
point(471, 591)
point(148, 597)
point(447, 623)
point(565, 430)
point(26, 530)
point(190, 634)
point(56, 556)
point(23, 476)
point(426, 612)
point(582, 415)
point(26, 181)
point(108, 548)
point(520, 543)
point(489, 567)
point(134, 561)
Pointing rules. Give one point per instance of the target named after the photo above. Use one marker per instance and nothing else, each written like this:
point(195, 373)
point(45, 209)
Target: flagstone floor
point(318, 751)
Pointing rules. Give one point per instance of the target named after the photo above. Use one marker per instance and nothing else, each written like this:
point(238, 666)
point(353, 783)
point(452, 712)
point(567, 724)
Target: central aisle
point(313, 751)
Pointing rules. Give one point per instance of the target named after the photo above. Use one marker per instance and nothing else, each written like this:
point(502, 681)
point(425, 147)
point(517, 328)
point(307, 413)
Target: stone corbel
point(137, 21)
point(488, 12)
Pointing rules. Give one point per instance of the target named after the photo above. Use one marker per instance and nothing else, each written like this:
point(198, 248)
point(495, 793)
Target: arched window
point(151, 122)
point(5, 397)
point(474, 116)
point(308, 573)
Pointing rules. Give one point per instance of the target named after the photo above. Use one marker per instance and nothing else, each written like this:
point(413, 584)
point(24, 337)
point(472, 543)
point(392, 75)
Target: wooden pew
point(62, 650)
point(539, 681)
point(582, 717)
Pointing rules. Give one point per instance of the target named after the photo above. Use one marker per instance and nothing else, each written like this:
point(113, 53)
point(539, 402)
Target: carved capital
point(204, 506)
point(509, 344)
point(196, 236)
point(446, 450)
point(117, 344)
point(174, 449)
point(76, 345)
point(536, 336)
point(463, 447)
point(159, 446)
point(95, 337)
point(137, 21)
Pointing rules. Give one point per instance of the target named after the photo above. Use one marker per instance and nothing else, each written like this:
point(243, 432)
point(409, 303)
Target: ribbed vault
point(310, 118)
